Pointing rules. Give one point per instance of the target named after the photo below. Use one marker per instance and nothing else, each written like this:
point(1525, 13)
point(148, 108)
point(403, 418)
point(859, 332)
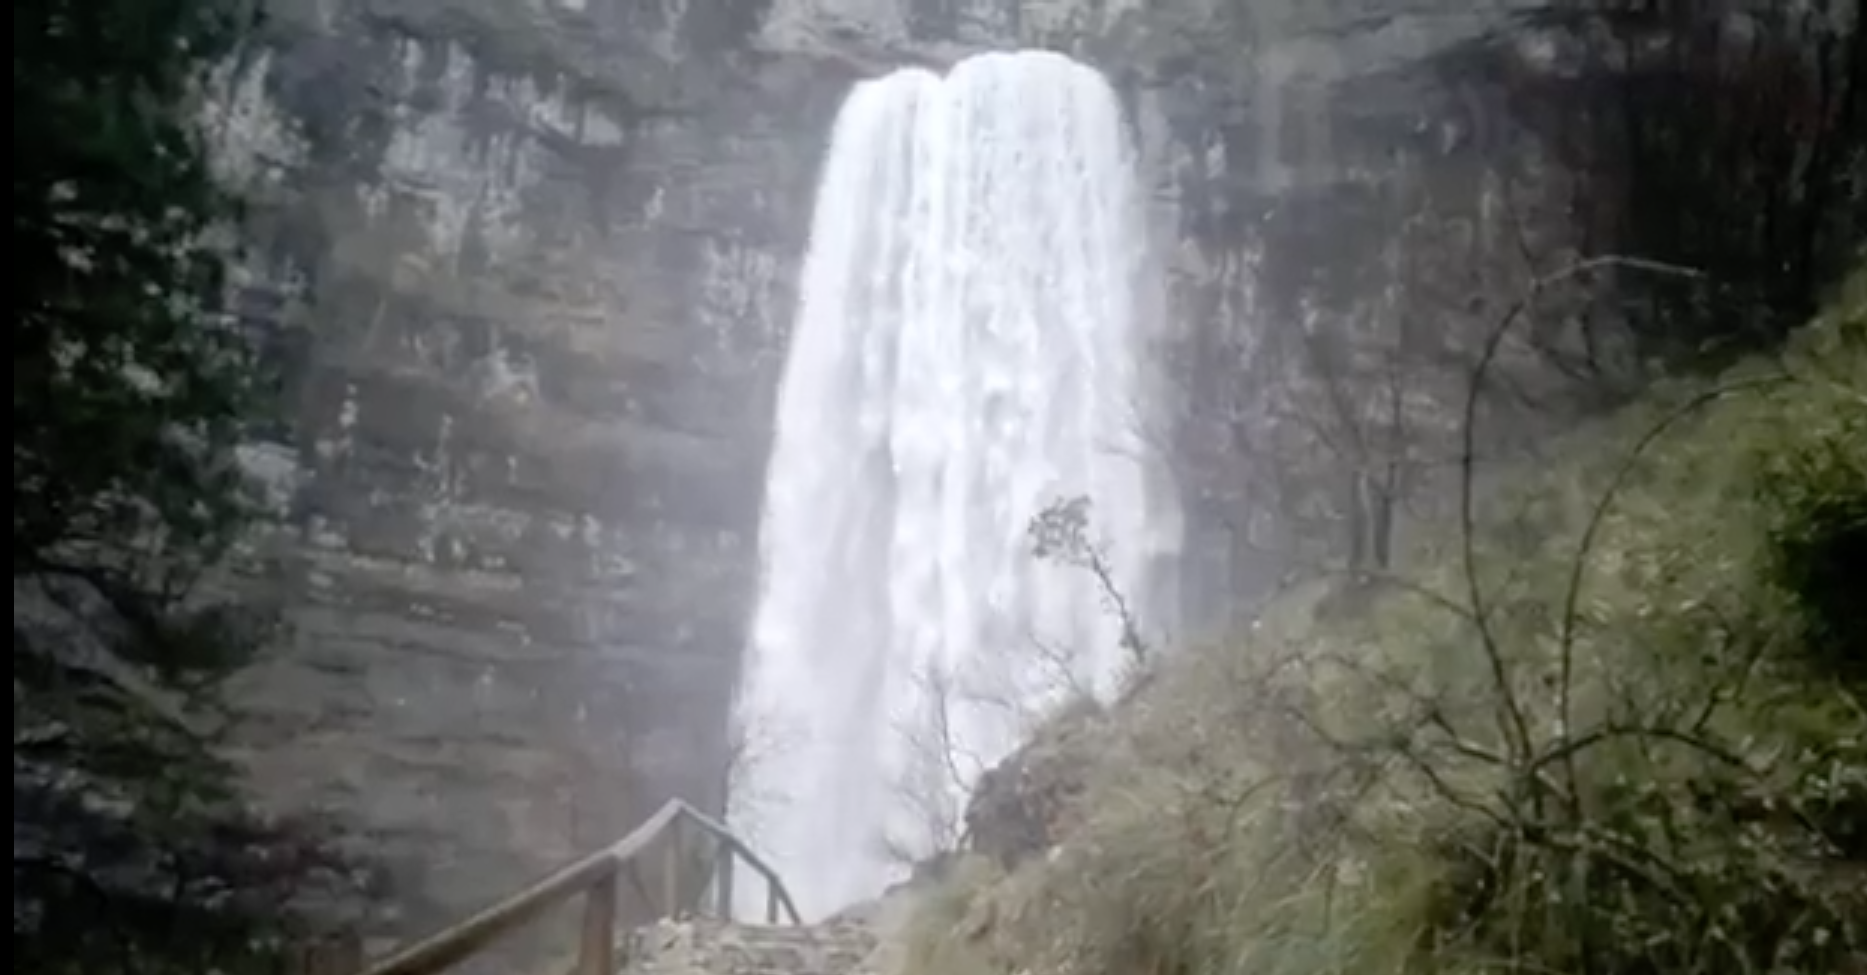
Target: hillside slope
point(1611, 720)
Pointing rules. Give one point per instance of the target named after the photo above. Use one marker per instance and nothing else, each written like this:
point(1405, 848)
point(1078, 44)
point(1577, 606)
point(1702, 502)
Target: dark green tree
point(132, 388)
point(129, 385)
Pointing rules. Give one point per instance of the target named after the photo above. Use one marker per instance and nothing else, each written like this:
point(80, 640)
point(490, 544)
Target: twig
point(1429, 710)
point(1515, 721)
point(1579, 564)
point(1720, 694)
point(1566, 749)
point(1515, 727)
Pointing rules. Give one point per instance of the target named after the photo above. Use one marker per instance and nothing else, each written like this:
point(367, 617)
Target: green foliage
point(1607, 727)
point(132, 388)
point(1817, 493)
point(129, 384)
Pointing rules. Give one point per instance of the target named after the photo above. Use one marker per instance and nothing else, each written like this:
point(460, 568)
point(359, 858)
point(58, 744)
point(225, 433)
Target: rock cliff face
point(529, 267)
point(528, 270)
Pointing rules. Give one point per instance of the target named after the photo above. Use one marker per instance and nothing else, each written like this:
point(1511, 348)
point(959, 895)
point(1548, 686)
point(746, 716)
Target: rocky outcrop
point(529, 268)
point(1027, 804)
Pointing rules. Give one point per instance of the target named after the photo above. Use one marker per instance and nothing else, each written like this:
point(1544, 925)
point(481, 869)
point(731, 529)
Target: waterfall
point(967, 352)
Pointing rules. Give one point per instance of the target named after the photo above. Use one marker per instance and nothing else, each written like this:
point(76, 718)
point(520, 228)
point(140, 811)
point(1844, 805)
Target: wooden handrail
point(595, 875)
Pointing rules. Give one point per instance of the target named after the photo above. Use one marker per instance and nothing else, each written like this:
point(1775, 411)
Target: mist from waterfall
point(968, 350)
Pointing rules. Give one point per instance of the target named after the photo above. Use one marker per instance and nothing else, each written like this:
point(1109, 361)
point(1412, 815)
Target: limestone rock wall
point(526, 269)
point(529, 268)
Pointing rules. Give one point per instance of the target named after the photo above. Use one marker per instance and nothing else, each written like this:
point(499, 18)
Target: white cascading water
point(966, 353)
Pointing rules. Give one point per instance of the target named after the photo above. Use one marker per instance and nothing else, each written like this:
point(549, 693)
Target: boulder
point(1027, 804)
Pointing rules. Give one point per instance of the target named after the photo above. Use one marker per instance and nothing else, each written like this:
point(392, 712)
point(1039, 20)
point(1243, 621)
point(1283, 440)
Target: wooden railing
point(597, 878)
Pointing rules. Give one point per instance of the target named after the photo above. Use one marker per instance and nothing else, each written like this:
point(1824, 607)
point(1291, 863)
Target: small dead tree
point(941, 766)
point(938, 774)
point(1060, 533)
point(752, 737)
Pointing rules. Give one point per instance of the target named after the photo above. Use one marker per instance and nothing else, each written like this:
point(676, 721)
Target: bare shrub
point(1573, 736)
point(751, 739)
point(939, 772)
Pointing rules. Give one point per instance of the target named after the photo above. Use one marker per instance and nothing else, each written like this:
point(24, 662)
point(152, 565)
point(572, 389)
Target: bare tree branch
point(1514, 719)
point(1578, 565)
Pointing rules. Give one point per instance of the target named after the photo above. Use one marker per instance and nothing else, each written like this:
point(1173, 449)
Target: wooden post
point(597, 954)
point(671, 880)
point(723, 877)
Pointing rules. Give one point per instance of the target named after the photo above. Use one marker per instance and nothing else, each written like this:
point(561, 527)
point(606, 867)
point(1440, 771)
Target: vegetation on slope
point(132, 390)
point(1613, 721)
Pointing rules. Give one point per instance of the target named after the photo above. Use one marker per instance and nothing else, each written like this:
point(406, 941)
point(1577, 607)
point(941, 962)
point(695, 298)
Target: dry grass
point(1584, 741)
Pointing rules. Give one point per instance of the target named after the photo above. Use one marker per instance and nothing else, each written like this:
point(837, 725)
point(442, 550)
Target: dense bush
point(1818, 534)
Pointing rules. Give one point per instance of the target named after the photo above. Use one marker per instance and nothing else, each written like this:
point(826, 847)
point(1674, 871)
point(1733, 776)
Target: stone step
point(708, 947)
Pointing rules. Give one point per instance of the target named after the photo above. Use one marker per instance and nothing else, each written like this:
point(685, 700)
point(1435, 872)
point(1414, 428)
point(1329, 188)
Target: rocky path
point(858, 941)
point(709, 947)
